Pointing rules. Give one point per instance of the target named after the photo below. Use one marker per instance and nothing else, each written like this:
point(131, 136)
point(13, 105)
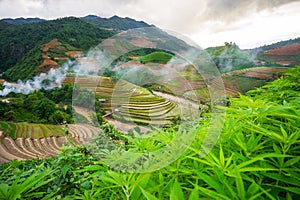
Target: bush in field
point(156, 57)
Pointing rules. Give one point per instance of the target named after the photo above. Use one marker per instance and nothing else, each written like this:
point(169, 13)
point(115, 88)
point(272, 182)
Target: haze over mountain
point(249, 23)
point(29, 47)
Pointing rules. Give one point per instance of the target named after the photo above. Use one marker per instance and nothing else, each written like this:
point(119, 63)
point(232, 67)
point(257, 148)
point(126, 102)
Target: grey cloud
point(188, 17)
point(231, 10)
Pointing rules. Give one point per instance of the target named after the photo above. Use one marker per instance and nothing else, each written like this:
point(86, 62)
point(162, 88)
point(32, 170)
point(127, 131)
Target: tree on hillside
point(44, 108)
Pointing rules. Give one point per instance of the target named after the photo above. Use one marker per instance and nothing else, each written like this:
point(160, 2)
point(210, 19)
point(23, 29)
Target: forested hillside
point(21, 36)
point(17, 40)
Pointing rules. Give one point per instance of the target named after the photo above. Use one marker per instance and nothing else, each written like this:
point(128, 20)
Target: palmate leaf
point(291, 162)
point(212, 183)
point(225, 182)
point(3, 191)
point(26, 188)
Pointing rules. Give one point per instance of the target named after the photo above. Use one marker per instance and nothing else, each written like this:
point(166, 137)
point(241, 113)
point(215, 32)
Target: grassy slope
point(156, 57)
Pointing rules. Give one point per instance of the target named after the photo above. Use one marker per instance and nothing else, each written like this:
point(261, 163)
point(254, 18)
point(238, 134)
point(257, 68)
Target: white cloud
point(263, 27)
point(208, 22)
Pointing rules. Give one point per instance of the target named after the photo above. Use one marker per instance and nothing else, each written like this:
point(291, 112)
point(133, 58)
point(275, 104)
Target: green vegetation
point(26, 67)
point(156, 57)
point(229, 57)
point(51, 106)
point(21, 20)
point(256, 157)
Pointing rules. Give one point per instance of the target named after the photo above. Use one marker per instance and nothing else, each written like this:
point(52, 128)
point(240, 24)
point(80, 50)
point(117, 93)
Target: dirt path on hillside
point(121, 126)
point(125, 127)
point(84, 112)
point(176, 99)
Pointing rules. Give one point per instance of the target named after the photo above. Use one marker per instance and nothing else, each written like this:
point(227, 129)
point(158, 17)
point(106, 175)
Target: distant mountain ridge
point(25, 36)
point(21, 20)
point(274, 45)
point(115, 22)
point(284, 53)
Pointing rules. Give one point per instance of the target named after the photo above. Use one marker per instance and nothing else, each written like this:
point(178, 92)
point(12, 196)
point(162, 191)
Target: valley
point(114, 104)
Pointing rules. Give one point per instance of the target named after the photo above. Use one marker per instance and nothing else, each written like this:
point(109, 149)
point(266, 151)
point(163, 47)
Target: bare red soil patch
point(284, 62)
point(49, 63)
point(69, 80)
point(257, 75)
point(143, 42)
point(46, 66)
point(74, 54)
point(51, 45)
point(292, 49)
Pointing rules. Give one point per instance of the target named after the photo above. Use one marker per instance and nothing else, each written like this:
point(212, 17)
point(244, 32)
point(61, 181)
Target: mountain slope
point(20, 36)
point(229, 57)
point(284, 53)
point(17, 41)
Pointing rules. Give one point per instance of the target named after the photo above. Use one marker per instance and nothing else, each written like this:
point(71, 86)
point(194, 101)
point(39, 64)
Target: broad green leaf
point(295, 190)
point(240, 185)
point(256, 169)
point(222, 159)
point(3, 190)
point(213, 194)
point(282, 178)
point(148, 195)
point(253, 188)
point(176, 192)
point(194, 194)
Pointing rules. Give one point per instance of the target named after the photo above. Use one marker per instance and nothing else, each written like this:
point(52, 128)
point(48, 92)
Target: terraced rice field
point(41, 143)
point(240, 81)
point(128, 102)
point(25, 130)
point(284, 55)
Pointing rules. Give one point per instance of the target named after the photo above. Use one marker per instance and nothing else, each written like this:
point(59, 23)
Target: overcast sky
point(249, 23)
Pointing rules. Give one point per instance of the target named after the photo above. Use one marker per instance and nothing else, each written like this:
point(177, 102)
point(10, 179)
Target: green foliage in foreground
point(256, 157)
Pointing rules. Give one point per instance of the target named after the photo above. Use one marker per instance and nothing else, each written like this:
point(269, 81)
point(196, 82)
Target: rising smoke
point(53, 78)
point(95, 63)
